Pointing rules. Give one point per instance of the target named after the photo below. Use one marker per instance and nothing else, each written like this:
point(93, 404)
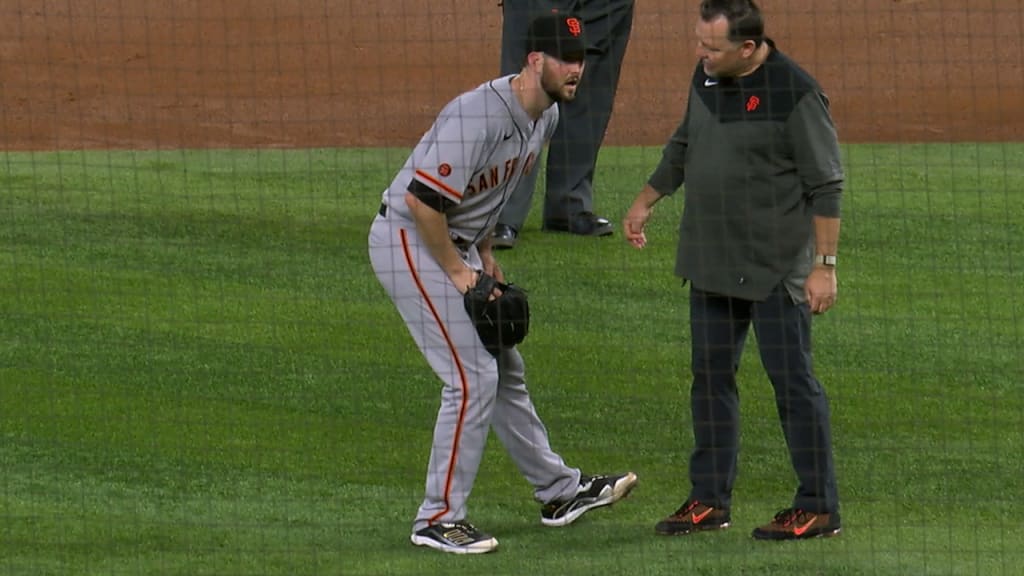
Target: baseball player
point(428, 245)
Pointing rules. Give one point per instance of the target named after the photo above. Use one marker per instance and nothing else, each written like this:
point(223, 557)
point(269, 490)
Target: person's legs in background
point(516, 15)
point(572, 155)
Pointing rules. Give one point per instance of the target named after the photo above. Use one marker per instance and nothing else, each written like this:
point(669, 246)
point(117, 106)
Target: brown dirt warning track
point(295, 73)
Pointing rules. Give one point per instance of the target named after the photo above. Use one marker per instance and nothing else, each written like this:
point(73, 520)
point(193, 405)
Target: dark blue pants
point(719, 326)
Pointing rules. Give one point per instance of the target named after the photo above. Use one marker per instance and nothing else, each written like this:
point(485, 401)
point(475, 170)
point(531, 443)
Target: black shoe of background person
point(504, 237)
point(582, 224)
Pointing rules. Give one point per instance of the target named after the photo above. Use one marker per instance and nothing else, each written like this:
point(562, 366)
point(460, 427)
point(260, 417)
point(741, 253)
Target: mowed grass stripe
point(200, 375)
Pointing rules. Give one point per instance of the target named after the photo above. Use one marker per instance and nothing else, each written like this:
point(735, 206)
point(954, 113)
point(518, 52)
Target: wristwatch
point(826, 260)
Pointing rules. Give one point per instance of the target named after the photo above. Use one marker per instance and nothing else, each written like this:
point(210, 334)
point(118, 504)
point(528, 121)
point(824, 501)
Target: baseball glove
point(501, 322)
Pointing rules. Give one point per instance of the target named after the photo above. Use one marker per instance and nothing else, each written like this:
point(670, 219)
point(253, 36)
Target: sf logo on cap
point(574, 26)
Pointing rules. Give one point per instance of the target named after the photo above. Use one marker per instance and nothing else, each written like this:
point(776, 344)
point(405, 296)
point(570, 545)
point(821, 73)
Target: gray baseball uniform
point(475, 154)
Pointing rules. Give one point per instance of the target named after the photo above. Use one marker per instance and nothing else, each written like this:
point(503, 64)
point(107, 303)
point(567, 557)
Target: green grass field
point(200, 375)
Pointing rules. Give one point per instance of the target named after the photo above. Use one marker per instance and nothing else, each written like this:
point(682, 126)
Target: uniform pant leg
point(718, 328)
point(783, 329)
point(572, 154)
point(525, 437)
point(433, 311)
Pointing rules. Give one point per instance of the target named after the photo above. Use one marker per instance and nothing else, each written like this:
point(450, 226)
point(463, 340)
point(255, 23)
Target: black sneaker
point(798, 524)
point(504, 237)
point(455, 537)
point(594, 492)
point(693, 516)
point(582, 224)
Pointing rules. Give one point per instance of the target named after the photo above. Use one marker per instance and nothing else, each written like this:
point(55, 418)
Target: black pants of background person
point(573, 151)
point(719, 326)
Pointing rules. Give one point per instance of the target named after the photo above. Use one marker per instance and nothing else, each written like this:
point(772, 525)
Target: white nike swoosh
point(710, 82)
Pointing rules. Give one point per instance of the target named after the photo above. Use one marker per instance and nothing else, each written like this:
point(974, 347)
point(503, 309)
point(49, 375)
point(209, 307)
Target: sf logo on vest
point(752, 103)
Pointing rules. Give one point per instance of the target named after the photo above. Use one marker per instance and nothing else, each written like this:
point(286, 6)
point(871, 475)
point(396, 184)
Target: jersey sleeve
point(816, 153)
point(670, 173)
point(449, 154)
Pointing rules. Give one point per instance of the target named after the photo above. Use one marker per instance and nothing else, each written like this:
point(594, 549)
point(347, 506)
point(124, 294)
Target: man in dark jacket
point(758, 153)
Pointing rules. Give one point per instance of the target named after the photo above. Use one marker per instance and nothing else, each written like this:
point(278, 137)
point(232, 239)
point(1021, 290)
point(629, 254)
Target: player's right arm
point(443, 163)
point(432, 226)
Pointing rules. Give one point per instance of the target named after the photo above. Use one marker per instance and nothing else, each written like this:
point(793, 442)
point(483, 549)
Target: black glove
point(502, 322)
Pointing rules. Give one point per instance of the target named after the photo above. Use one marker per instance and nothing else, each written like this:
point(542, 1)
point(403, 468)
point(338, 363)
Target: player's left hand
point(493, 269)
point(821, 289)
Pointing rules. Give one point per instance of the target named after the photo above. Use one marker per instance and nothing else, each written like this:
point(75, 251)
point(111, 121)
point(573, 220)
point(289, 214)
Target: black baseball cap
point(559, 35)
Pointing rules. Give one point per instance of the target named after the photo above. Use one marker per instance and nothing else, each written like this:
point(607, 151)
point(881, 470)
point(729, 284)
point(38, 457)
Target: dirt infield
point(294, 73)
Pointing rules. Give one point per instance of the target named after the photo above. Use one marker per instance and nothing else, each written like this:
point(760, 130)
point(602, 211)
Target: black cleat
point(594, 492)
point(455, 537)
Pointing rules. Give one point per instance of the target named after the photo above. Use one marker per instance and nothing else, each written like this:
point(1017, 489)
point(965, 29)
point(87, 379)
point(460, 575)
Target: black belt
point(460, 243)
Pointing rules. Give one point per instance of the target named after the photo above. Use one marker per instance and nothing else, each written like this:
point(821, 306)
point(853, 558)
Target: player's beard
point(554, 88)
